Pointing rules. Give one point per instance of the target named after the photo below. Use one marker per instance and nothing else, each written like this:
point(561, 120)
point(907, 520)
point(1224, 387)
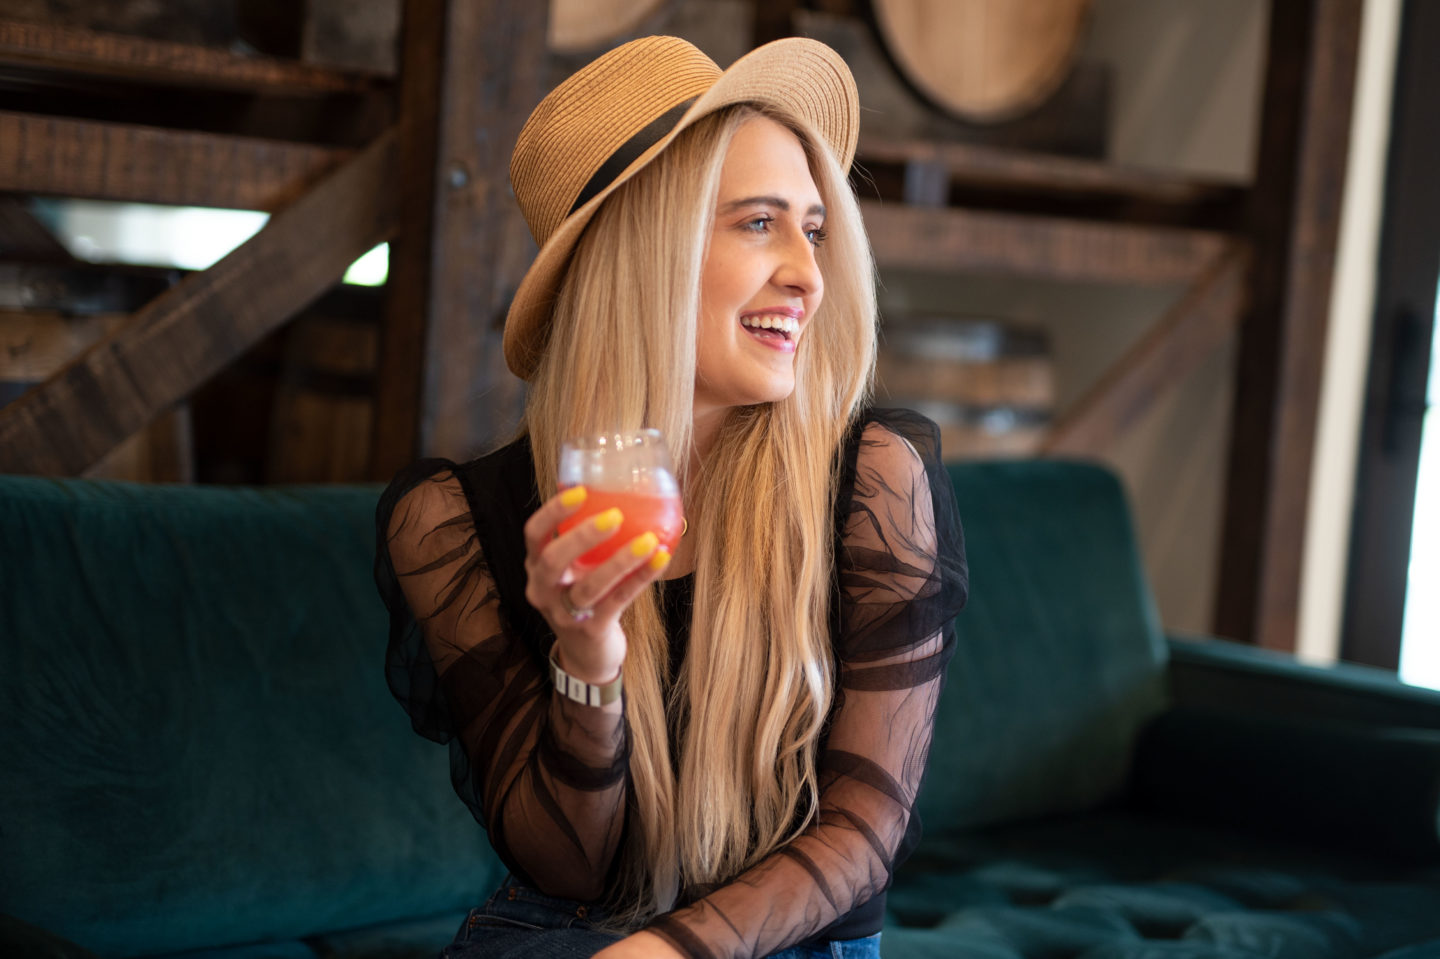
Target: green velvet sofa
point(200, 756)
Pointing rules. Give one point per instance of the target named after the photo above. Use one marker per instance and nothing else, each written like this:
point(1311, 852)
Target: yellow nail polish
point(573, 497)
point(643, 544)
point(660, 560)
point(610, 520)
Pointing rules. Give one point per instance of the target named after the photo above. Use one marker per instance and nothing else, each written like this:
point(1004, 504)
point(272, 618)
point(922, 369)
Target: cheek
point(732, 277)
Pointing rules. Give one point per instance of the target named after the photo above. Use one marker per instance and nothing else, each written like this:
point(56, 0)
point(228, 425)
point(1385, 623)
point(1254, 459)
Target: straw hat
point(612, 117)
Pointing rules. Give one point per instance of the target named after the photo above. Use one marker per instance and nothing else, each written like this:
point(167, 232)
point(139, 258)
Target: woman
point(703, 270)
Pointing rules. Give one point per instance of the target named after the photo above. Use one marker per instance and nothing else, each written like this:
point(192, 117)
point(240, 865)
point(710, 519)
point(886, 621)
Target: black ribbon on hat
point(629, 151)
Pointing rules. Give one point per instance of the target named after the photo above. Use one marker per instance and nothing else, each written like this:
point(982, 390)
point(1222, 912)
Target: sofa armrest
point(1223, 675)
point(1332, 784)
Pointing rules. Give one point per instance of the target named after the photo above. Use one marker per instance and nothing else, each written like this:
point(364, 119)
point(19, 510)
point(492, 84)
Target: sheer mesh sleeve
point(544, 775)
point(902, 574)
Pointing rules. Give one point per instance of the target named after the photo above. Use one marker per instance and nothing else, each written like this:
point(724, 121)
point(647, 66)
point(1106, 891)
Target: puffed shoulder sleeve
point(902, 567)
point(429, 569)
point(544, 775)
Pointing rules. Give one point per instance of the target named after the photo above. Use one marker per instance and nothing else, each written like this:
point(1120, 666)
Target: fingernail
point(660, 560)
point(643, 544)
point(610, 520)
point(573, 497)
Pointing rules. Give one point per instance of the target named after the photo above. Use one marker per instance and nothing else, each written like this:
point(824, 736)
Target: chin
point(778, 395)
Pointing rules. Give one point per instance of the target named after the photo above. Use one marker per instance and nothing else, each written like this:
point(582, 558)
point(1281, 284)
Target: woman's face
point(760, 284)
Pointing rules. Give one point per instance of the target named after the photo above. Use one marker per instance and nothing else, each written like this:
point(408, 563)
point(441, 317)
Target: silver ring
point(577, 614)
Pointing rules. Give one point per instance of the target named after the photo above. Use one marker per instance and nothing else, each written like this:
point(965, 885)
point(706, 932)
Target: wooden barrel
point(989, 385)
point(323, 414)
point(582, 26)
point(985, 61)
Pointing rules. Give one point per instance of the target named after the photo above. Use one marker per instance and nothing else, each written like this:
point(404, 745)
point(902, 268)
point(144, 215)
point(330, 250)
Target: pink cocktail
point(628, 471)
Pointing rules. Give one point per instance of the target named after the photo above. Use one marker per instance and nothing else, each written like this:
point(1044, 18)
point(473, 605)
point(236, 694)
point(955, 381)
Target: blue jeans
point(517, 922)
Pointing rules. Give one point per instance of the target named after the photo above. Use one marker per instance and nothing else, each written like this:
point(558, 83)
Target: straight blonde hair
point(754, 691)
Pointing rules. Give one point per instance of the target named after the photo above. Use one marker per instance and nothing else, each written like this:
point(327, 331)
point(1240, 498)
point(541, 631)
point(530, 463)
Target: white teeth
point(785, 324)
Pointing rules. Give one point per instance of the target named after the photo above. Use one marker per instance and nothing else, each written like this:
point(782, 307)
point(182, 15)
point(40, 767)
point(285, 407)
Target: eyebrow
point(779, 203)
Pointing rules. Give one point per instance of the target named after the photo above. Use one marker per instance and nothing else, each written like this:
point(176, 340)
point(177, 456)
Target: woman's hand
point(593, 648)
point(640, 945)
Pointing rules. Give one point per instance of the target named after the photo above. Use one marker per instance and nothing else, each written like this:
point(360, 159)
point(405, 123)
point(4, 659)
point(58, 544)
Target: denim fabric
point(520, 922)
point(517, 921)
point(867, 947)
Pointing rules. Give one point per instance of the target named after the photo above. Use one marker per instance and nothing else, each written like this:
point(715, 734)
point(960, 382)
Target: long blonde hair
point(758, 678)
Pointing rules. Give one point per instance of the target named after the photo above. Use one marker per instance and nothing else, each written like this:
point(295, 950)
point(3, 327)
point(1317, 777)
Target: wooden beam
point(1300, 180)
point(470, 75)
point(24, 237)
point(1022, 245)
point(188, 333)
point(90, 53)
point(1020, 171)
point(109, 161)
point(1193, 329)
point(33, 345)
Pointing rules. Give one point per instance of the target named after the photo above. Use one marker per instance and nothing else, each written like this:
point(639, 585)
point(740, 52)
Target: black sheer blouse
point(546, 777)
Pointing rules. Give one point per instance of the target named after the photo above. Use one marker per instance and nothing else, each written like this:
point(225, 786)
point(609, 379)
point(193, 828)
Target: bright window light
point(186, 237)
point(371, 269)
point(1420, 638)
point(191, 238)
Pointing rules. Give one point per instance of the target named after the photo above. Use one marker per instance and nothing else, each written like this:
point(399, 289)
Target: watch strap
point(573, 688)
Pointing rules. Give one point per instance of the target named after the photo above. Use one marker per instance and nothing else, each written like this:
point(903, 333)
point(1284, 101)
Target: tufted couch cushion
point(1128, 885)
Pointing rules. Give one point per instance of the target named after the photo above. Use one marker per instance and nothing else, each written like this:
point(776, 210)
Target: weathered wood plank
point(322, 420)
point(462, 246)
point(163, 452)
point(33, 345)
point(1300, 179)
point(961, 240)
point(84, 158)
point(1203, 320)
point(52, 47)
point(1039, 173)
point(191, 331)
point(23, 236)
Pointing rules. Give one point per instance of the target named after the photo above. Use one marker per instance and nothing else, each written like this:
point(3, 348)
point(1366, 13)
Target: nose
point(798, 272)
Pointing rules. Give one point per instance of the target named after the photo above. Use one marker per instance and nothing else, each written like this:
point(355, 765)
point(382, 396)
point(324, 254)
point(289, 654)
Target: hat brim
point(796, 76)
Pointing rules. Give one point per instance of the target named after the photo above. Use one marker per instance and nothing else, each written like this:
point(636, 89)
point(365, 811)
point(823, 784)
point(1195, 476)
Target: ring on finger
point(577, 613)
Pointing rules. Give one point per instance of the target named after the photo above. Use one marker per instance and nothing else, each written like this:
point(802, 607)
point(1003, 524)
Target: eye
point(759, 224)
point(816, 236)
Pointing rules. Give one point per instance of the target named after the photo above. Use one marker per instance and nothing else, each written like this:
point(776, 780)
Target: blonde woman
point(738, 775)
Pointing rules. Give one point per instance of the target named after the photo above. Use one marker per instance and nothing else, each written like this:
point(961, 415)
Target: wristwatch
point(586, 694)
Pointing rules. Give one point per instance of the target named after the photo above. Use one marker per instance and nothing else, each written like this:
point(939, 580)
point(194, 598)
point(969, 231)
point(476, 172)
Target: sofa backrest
point(199, 747)
point(174, 660)
point(1060, 657)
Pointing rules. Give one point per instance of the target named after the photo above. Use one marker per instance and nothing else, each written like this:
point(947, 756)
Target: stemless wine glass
point(630, 471)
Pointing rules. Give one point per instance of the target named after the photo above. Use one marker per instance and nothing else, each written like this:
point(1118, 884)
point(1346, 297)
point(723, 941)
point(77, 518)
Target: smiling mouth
point(773, 328)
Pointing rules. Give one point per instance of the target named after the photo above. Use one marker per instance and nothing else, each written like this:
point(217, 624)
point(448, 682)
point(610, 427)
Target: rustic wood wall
point(356, 123)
